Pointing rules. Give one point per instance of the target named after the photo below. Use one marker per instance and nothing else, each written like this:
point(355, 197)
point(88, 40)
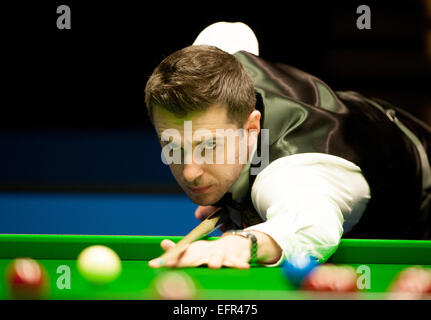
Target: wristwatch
point(248, 235)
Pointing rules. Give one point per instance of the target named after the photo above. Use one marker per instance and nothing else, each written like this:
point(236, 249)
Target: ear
point(253, 122)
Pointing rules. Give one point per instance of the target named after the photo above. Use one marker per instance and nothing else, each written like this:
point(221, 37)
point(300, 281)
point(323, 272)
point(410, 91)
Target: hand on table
point(228, 251)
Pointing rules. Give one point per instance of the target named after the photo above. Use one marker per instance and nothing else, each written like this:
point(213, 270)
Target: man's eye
point(209, 145)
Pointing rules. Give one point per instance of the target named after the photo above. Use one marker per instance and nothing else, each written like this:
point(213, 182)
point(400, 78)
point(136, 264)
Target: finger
point(171, 263)
point(196, 255)
point(167, 244)
point(238, 264)
point(242, 265)
point(216, 261)
point(202, 212)
point(190, 263)
point(161, 262)
point(156, 263)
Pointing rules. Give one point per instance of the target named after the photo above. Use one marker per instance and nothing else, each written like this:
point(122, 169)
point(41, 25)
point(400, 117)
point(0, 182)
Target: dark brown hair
point(196, 77)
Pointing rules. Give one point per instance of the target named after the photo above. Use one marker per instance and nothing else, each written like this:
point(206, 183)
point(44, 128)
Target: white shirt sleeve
point(307, 201)
point(230, 37)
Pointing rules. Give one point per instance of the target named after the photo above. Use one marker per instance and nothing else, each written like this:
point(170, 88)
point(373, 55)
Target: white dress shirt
point(306, 201)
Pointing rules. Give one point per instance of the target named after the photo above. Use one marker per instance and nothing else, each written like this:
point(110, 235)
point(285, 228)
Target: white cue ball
point(99, 264)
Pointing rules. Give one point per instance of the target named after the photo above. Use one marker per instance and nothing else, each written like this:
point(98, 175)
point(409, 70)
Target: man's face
point(200, 140)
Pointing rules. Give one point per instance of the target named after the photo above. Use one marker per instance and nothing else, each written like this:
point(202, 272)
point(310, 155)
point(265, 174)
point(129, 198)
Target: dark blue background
point(89, 182)
point(93, 213)
point(66, 157)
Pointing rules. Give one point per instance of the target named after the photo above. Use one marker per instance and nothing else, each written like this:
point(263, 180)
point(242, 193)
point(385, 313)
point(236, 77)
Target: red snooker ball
point(330, 277)
point(26, 279)
point(174, 285)
point(411, 283)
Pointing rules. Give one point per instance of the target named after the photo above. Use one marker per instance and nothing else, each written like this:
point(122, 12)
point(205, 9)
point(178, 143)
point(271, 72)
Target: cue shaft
point(204, 228)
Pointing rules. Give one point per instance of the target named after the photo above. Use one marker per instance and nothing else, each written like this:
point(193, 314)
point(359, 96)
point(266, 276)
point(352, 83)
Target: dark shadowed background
point(78, 153)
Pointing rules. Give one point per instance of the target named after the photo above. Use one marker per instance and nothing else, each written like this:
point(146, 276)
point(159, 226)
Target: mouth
point(199, 190)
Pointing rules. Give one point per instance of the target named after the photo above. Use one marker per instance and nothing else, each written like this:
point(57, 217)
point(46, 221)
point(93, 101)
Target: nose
point(192, 172)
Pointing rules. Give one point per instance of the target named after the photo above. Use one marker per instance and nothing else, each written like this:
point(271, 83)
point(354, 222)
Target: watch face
point(248, 235)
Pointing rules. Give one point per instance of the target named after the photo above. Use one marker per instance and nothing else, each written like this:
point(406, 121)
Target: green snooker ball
point(99, 264)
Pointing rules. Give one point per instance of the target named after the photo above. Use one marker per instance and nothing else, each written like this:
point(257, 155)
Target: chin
point(203, 200)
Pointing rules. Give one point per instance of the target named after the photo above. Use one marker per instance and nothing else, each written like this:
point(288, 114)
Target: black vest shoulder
point(304, 115)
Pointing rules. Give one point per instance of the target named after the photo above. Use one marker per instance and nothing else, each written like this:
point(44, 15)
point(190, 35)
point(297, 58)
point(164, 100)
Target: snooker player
point(339, 164)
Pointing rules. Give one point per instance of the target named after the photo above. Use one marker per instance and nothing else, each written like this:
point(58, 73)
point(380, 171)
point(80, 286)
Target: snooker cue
point(204, 228)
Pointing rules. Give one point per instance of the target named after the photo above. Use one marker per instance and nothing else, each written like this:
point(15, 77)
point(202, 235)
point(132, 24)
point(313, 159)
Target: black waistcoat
point(304, 115)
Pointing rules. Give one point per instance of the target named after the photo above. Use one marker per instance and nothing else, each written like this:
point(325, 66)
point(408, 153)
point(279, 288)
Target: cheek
point(226, 174)
point(177, 171)
point(235, 152)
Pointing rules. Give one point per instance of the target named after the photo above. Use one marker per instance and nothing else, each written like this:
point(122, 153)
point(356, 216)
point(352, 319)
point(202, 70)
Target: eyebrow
point(212, 138)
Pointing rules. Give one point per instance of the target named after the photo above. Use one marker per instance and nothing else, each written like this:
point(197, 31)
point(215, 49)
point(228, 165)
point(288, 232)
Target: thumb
point(167, 244)
point(202, 212)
